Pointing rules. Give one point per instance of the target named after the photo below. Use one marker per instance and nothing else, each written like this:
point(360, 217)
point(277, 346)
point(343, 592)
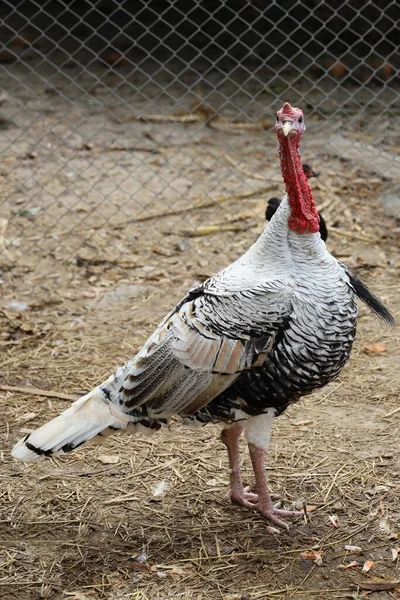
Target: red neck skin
point(304, 217)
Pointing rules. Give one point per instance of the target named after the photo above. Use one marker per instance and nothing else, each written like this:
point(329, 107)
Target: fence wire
point(128, 129)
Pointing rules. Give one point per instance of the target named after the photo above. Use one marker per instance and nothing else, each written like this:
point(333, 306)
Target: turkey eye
point(300, 119)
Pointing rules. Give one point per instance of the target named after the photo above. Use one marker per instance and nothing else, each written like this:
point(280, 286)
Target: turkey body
point(287, 304)
point(315, 336)
point(269, 328)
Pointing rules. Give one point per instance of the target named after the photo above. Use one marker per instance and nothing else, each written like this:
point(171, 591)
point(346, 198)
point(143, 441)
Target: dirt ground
point(91, 258)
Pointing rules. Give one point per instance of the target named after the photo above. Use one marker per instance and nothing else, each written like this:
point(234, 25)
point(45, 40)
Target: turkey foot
point(247, 493)
point(238, 496)
point(264, 501)
point(266, 509)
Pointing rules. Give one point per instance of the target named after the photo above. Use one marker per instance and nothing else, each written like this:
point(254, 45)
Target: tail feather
point(366, 296)
point(83, 420)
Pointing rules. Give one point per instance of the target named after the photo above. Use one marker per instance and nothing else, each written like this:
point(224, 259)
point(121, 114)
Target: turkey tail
point(84, 419)
point(366, 296)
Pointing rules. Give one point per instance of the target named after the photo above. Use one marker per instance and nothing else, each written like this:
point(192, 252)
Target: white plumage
point(83, 420)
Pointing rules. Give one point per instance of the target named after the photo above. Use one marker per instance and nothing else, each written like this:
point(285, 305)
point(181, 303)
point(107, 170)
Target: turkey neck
point(304, 217)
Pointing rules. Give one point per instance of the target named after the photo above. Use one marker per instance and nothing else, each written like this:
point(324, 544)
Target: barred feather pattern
point(311, 347)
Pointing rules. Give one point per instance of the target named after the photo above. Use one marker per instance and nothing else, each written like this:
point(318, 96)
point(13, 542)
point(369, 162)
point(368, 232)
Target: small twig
point(173, 213)
point(36, 392)
point(6, 581)
point(306, 517)
point(215, 228)
point(393, 412)
point(119, 499)
point(326, 396)
point(232, 126)
point(329, 208)
point(215, 557)
point(333, 482)
point(245, 171)
point(325, 205)
point(130, 149)
point(310, 572)
point(156, 118)
point(219, 123)
point(209, 204)
point(351, 234)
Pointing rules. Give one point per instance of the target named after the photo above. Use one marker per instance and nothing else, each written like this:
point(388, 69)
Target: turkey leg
point(264, 502)
point(237, 493)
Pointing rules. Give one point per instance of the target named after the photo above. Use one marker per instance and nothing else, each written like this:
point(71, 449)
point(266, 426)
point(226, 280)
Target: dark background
point(285, 34)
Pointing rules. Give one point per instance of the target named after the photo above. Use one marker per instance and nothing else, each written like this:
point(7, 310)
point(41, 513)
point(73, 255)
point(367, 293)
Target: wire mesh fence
point(132, 131)
point(137, 155)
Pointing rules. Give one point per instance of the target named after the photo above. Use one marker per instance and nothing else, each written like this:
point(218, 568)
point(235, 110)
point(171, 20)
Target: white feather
point(83, 420)
point(258, 429)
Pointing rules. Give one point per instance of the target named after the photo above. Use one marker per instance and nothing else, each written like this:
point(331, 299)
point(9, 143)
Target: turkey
point(271, 327)
point(273, 204)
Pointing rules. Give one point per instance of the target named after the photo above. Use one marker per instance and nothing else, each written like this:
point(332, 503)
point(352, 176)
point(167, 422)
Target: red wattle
point(304, 216)
point(301, 225)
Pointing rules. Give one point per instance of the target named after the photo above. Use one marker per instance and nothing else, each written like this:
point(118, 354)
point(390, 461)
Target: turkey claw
point(272, 514)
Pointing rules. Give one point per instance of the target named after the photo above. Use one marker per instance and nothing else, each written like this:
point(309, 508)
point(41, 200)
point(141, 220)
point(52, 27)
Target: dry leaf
point(354, 563)
point(352, 548)
point(160, 488)
point(374, 348)
point(27, 417)
point(174, 571)
point(210, 229)
point(368, 566)
point(217, 482)
point(108, 459)
point(334, 520)
point(384, 526)
point(381, 488)
point(379, 585)
point(140, 558)
point(138, 567)
point(139, 563)
point(395, 553)
point(314, 556)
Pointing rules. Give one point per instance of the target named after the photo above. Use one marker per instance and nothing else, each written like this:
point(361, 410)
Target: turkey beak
point(287, 127)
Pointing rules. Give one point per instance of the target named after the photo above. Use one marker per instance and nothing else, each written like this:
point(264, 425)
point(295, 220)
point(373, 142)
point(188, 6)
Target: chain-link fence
point(137, 156)
point(130, 130)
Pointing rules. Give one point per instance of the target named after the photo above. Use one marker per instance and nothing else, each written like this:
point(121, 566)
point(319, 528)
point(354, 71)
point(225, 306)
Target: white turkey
point(263, 332)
